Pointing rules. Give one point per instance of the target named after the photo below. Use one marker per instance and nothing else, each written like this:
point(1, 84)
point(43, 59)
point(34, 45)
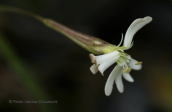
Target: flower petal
point(102, 58)
point(119, 84)
point(110, 81)
point(128, 77)
point(94, 69)
point(102, 67)
point(120, 41)
point(134, 27)
point(92, 58)
point(133, 66)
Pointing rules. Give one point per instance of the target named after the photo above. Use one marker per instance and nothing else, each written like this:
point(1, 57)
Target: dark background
point(62, 67)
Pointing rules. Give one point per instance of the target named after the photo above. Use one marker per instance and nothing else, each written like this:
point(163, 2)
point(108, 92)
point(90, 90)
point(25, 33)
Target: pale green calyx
point(90, 43)
point(124, 61)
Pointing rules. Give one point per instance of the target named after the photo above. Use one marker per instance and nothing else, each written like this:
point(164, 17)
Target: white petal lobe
point(110, 81)
point(119, 84)
point(133, 66)
point(94, 69)
point(134, 27)
point(102, 58)
point(92, 58)
point(102, 67)
point(128, 77)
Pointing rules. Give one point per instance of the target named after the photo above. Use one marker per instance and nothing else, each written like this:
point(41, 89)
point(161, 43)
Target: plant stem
point(4, 8)
point(90, 43)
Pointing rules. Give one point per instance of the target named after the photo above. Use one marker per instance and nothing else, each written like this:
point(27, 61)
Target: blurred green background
point(61, 68)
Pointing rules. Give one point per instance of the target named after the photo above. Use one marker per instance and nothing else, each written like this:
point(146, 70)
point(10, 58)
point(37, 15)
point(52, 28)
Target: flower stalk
point(90, 43)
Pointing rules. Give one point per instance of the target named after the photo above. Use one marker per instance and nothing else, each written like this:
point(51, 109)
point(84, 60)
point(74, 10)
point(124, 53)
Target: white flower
point(124, 61)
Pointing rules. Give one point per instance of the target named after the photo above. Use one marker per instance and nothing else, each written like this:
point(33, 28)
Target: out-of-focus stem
point(25, 76)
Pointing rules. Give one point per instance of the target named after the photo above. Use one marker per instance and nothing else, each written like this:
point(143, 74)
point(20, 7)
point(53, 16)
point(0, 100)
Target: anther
point(138, 63)
point(127, 70)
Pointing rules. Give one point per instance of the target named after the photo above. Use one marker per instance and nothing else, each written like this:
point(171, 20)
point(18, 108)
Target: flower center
point(123, 61)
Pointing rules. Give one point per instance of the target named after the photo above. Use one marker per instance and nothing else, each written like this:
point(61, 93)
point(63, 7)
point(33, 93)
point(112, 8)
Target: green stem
point(4, 8)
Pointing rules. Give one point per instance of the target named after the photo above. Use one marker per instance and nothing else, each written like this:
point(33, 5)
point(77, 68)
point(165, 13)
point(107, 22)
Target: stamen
point(127, 70)
point(120, 50)
point(122, 54)
point(122, 62)
point(138, 63)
